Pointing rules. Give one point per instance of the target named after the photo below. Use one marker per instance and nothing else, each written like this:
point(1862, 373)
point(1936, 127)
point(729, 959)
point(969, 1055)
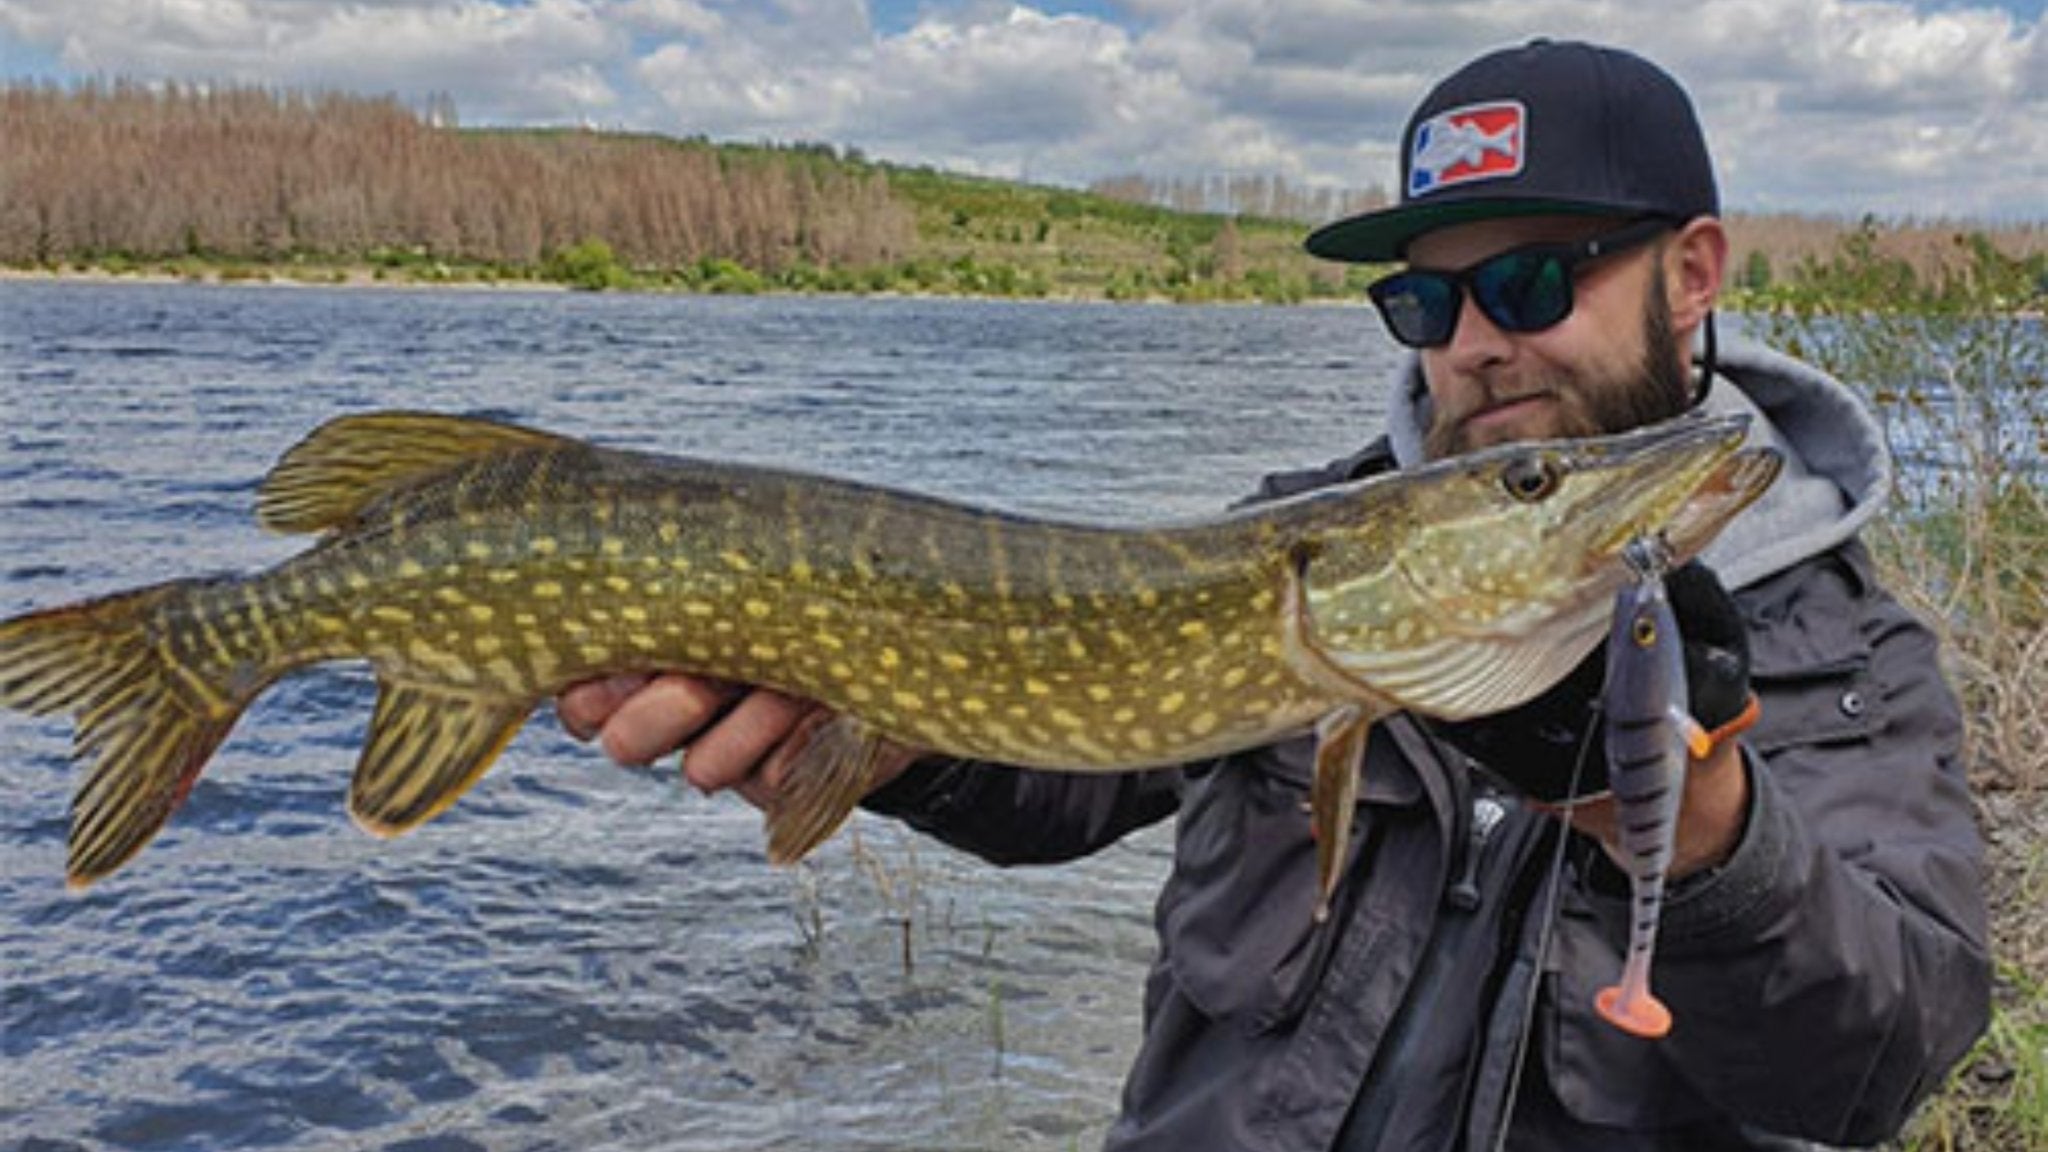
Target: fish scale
point(481, 567)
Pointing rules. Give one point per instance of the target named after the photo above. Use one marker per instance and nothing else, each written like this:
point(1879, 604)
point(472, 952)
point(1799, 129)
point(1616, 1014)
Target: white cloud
point(1827, 105)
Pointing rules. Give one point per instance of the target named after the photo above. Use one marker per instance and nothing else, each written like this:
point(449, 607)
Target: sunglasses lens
point(1419, 308)
point(1523, 291)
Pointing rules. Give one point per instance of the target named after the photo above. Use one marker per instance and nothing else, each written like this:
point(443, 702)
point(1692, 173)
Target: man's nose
point(1476, 339)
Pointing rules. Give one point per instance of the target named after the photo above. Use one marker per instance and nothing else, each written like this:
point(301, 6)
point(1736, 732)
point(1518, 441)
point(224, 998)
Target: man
point(1823, 941)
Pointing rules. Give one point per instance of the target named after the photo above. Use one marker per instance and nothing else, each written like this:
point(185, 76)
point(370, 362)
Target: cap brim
point(1374, 237)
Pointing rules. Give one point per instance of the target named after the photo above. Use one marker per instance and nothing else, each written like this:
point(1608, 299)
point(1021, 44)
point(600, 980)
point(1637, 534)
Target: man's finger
point(657, 719)
point(729, 752)
point(583, 708)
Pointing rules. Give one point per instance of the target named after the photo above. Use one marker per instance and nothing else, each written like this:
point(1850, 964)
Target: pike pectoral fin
point(426, 747)
point(1333, 798)
point(826, 780)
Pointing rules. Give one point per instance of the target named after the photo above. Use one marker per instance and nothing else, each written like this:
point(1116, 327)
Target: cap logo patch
point(1461, 145)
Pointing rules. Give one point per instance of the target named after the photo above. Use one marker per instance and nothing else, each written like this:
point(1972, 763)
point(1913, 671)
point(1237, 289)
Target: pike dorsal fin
point(327, 480)
point(427, 745)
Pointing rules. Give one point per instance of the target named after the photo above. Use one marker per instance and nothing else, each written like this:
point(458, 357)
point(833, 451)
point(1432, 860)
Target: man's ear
point(1695, 261)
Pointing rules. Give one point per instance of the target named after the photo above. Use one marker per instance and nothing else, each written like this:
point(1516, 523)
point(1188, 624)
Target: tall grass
point(1956, 365)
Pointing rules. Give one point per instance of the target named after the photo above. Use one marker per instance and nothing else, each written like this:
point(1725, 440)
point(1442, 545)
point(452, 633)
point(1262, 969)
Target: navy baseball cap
point(1549, 127)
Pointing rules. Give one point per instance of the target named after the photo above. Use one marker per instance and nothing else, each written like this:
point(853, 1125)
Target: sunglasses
point(1524, 289)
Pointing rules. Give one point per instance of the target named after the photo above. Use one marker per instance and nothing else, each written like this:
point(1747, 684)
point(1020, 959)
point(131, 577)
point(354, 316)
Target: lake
point(578, 956)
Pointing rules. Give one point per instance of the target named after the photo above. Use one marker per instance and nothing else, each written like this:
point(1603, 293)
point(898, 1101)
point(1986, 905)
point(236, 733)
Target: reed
point(1957, 367)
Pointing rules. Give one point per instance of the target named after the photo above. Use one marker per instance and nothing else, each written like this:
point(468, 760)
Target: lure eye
point(1643, 632)
point(1531, 478)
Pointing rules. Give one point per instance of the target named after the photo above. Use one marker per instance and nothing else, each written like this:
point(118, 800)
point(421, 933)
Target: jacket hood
point(1838, 468)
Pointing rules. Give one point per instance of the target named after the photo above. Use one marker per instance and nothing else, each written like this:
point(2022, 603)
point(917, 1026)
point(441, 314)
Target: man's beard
point(1657, 389)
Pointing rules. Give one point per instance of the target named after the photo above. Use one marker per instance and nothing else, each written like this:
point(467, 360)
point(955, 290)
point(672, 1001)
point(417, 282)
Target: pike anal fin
point(427, 745)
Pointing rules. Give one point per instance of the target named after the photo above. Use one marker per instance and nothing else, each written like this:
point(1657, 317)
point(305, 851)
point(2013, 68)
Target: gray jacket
point(1823, 980)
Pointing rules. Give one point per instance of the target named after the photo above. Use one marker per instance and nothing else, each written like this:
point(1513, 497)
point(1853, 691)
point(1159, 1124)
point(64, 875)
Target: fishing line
point(1547, 927)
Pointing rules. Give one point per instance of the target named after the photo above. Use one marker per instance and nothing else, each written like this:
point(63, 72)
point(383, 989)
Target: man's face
point(1613, 364)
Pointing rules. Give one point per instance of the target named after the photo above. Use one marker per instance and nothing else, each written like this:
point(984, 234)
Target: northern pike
point(1649, 735)
point(481, 567)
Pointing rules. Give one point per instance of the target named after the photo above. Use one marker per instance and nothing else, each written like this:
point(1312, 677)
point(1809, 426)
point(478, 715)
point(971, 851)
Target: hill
point(239, 182)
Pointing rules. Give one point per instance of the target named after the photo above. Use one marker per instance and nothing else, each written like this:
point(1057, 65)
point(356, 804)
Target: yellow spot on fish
point(1203, 723)
point(1067, 719)
point(953, 662)
point(595, 653)
point(758, 609)
point(411, 569)
point(543, 546)
point(1019, 634)
point(668, 532)
point(502, 575)
point(889, 658)
point(974, 706)
point(831, 640)
point(547, 590)
point(633, 614)
point(1194, 630)
point(391, 615)
point(1037, 687)
point(476, 550)
point(1100, 693)
point(839, 670)
point(487, 645)
point(737, 561)
point(1172, 702)
point(447, 595)
point(761, 651)
point(612, 546)
point(1148, 598)
point(697, 608)
point(801, 572)
point(908, 701)
point(618, 584)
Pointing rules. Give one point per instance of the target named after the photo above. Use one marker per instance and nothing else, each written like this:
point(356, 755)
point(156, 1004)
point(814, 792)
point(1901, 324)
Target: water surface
point(577, 956)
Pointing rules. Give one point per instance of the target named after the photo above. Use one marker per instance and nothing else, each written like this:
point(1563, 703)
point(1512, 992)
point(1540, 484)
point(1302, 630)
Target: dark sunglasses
point(1524, 289)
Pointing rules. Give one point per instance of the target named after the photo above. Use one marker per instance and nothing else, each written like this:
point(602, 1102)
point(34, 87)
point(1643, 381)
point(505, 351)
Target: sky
point(1929, 108)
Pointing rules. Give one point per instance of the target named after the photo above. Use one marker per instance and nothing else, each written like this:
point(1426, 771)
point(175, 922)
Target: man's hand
point(1537, 747)
point(733, 736)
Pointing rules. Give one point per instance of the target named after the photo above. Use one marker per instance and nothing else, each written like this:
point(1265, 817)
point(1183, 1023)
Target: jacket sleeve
point(1011, 815)
point(1827, 976)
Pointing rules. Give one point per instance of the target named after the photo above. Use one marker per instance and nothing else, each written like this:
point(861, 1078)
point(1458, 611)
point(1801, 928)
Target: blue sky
point(1928, 108)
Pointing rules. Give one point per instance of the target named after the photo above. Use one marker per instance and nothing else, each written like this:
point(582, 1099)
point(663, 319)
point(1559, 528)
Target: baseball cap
point(1547, 127)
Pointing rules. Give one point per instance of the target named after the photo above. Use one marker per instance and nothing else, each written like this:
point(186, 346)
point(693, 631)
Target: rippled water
point(576, 956)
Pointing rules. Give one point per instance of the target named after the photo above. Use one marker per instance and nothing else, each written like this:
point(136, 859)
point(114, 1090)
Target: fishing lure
point(1649, 735)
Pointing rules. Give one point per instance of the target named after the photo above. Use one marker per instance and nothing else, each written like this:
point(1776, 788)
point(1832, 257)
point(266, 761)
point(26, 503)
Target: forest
point(246, 182)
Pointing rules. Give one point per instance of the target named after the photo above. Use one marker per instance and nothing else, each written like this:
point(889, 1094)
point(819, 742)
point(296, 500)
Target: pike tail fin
point(145, 724)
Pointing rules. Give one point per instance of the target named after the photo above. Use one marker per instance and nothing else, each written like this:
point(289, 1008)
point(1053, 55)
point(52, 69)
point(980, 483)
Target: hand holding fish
point(733, 736)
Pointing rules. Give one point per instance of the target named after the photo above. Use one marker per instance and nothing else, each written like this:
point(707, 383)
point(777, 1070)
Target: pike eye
point(1644, 632)
point(1530, 478)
